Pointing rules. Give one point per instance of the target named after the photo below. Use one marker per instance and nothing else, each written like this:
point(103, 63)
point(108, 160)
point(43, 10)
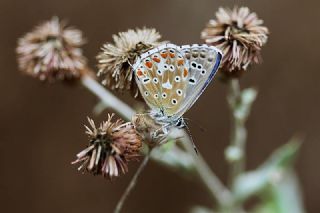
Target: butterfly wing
point(203, 62)
point(161, 75)
point(171, 78)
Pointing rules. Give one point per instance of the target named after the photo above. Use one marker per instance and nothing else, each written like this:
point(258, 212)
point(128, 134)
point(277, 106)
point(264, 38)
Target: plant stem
point(215, 187)
point(218, 191)
point(107, 97)
point(238, 130)
point(132, 183)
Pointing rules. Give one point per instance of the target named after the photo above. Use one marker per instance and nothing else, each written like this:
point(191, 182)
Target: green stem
point(132, 183)
point(238, 130)
point(212, 183)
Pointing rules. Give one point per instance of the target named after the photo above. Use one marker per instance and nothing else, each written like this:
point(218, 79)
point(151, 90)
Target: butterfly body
point(171, 78)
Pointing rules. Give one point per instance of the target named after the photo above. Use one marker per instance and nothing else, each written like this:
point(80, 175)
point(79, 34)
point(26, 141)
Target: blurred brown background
point(42, 125)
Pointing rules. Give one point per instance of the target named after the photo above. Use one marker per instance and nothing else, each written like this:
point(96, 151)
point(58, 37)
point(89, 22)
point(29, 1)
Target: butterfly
point(171, 78)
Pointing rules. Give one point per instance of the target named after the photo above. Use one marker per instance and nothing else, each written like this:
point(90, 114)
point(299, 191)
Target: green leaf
point(251, 183)
point(171, 156)
point(282, 196)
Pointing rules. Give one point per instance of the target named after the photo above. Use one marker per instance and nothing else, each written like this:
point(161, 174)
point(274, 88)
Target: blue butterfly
point(171, 78)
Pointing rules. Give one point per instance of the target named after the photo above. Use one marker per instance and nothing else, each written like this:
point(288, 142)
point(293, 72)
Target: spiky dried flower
point(240, 35)
point(112, 145)
point(115, 58)
point(52, 51)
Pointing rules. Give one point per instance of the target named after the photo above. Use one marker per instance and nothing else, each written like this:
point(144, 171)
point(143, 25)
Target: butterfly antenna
point(202, 129)
point(191, 138)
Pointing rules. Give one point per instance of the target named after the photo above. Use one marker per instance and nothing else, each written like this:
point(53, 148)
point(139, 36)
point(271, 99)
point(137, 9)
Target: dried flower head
point(111, 147)
point(240, 35)
point(52, 52)
point(115, 59)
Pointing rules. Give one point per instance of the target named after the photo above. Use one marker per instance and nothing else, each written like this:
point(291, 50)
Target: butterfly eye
point(179, 92)
point(146, 93)
point(177, 79)
point(155, 80)
point(174, 101)
point(203, 72)
point(171, 68)
point(164, 95)
point(159, 72)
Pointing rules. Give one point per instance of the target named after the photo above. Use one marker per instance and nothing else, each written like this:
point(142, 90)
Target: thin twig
point(107, 97)
point(132, 183)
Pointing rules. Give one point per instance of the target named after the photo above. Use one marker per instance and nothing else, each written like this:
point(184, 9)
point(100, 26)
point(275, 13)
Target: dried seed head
point(240, 35)
point(52, 51)
point(115, 58)
point(112, 145)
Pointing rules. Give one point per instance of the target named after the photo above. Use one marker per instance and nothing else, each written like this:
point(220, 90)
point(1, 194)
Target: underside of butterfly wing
point(162, 75)
point(203, 62)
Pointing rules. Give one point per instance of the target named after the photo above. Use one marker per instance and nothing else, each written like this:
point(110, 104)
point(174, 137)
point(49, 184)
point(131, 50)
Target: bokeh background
point(42, 125)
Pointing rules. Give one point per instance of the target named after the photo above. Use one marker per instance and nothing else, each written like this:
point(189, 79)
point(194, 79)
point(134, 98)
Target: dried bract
point(112, 145)
point(115, 58)
point(52, 51)
point(240, 35)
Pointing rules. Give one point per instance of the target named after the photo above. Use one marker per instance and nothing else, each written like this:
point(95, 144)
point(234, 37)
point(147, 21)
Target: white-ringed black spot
point(155, 80)
point(156, 96)
point(146, 93)
point(199, 67)
point(164, 95)
point(194, 64)
point(171, 51)
point(179, 92)
point(174, 101)
point(192, 81)
point(165, 66)
point(177, 79)
point(203, 72)
point(171, 68)
point(159, 72)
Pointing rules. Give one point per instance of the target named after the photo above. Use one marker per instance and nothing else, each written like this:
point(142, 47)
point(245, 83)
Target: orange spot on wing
point(180, 62)
point(185, 72)
point(149, 64)
point(164, 55)
point(172, 55)
point(156, 60)
point(139, 73)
